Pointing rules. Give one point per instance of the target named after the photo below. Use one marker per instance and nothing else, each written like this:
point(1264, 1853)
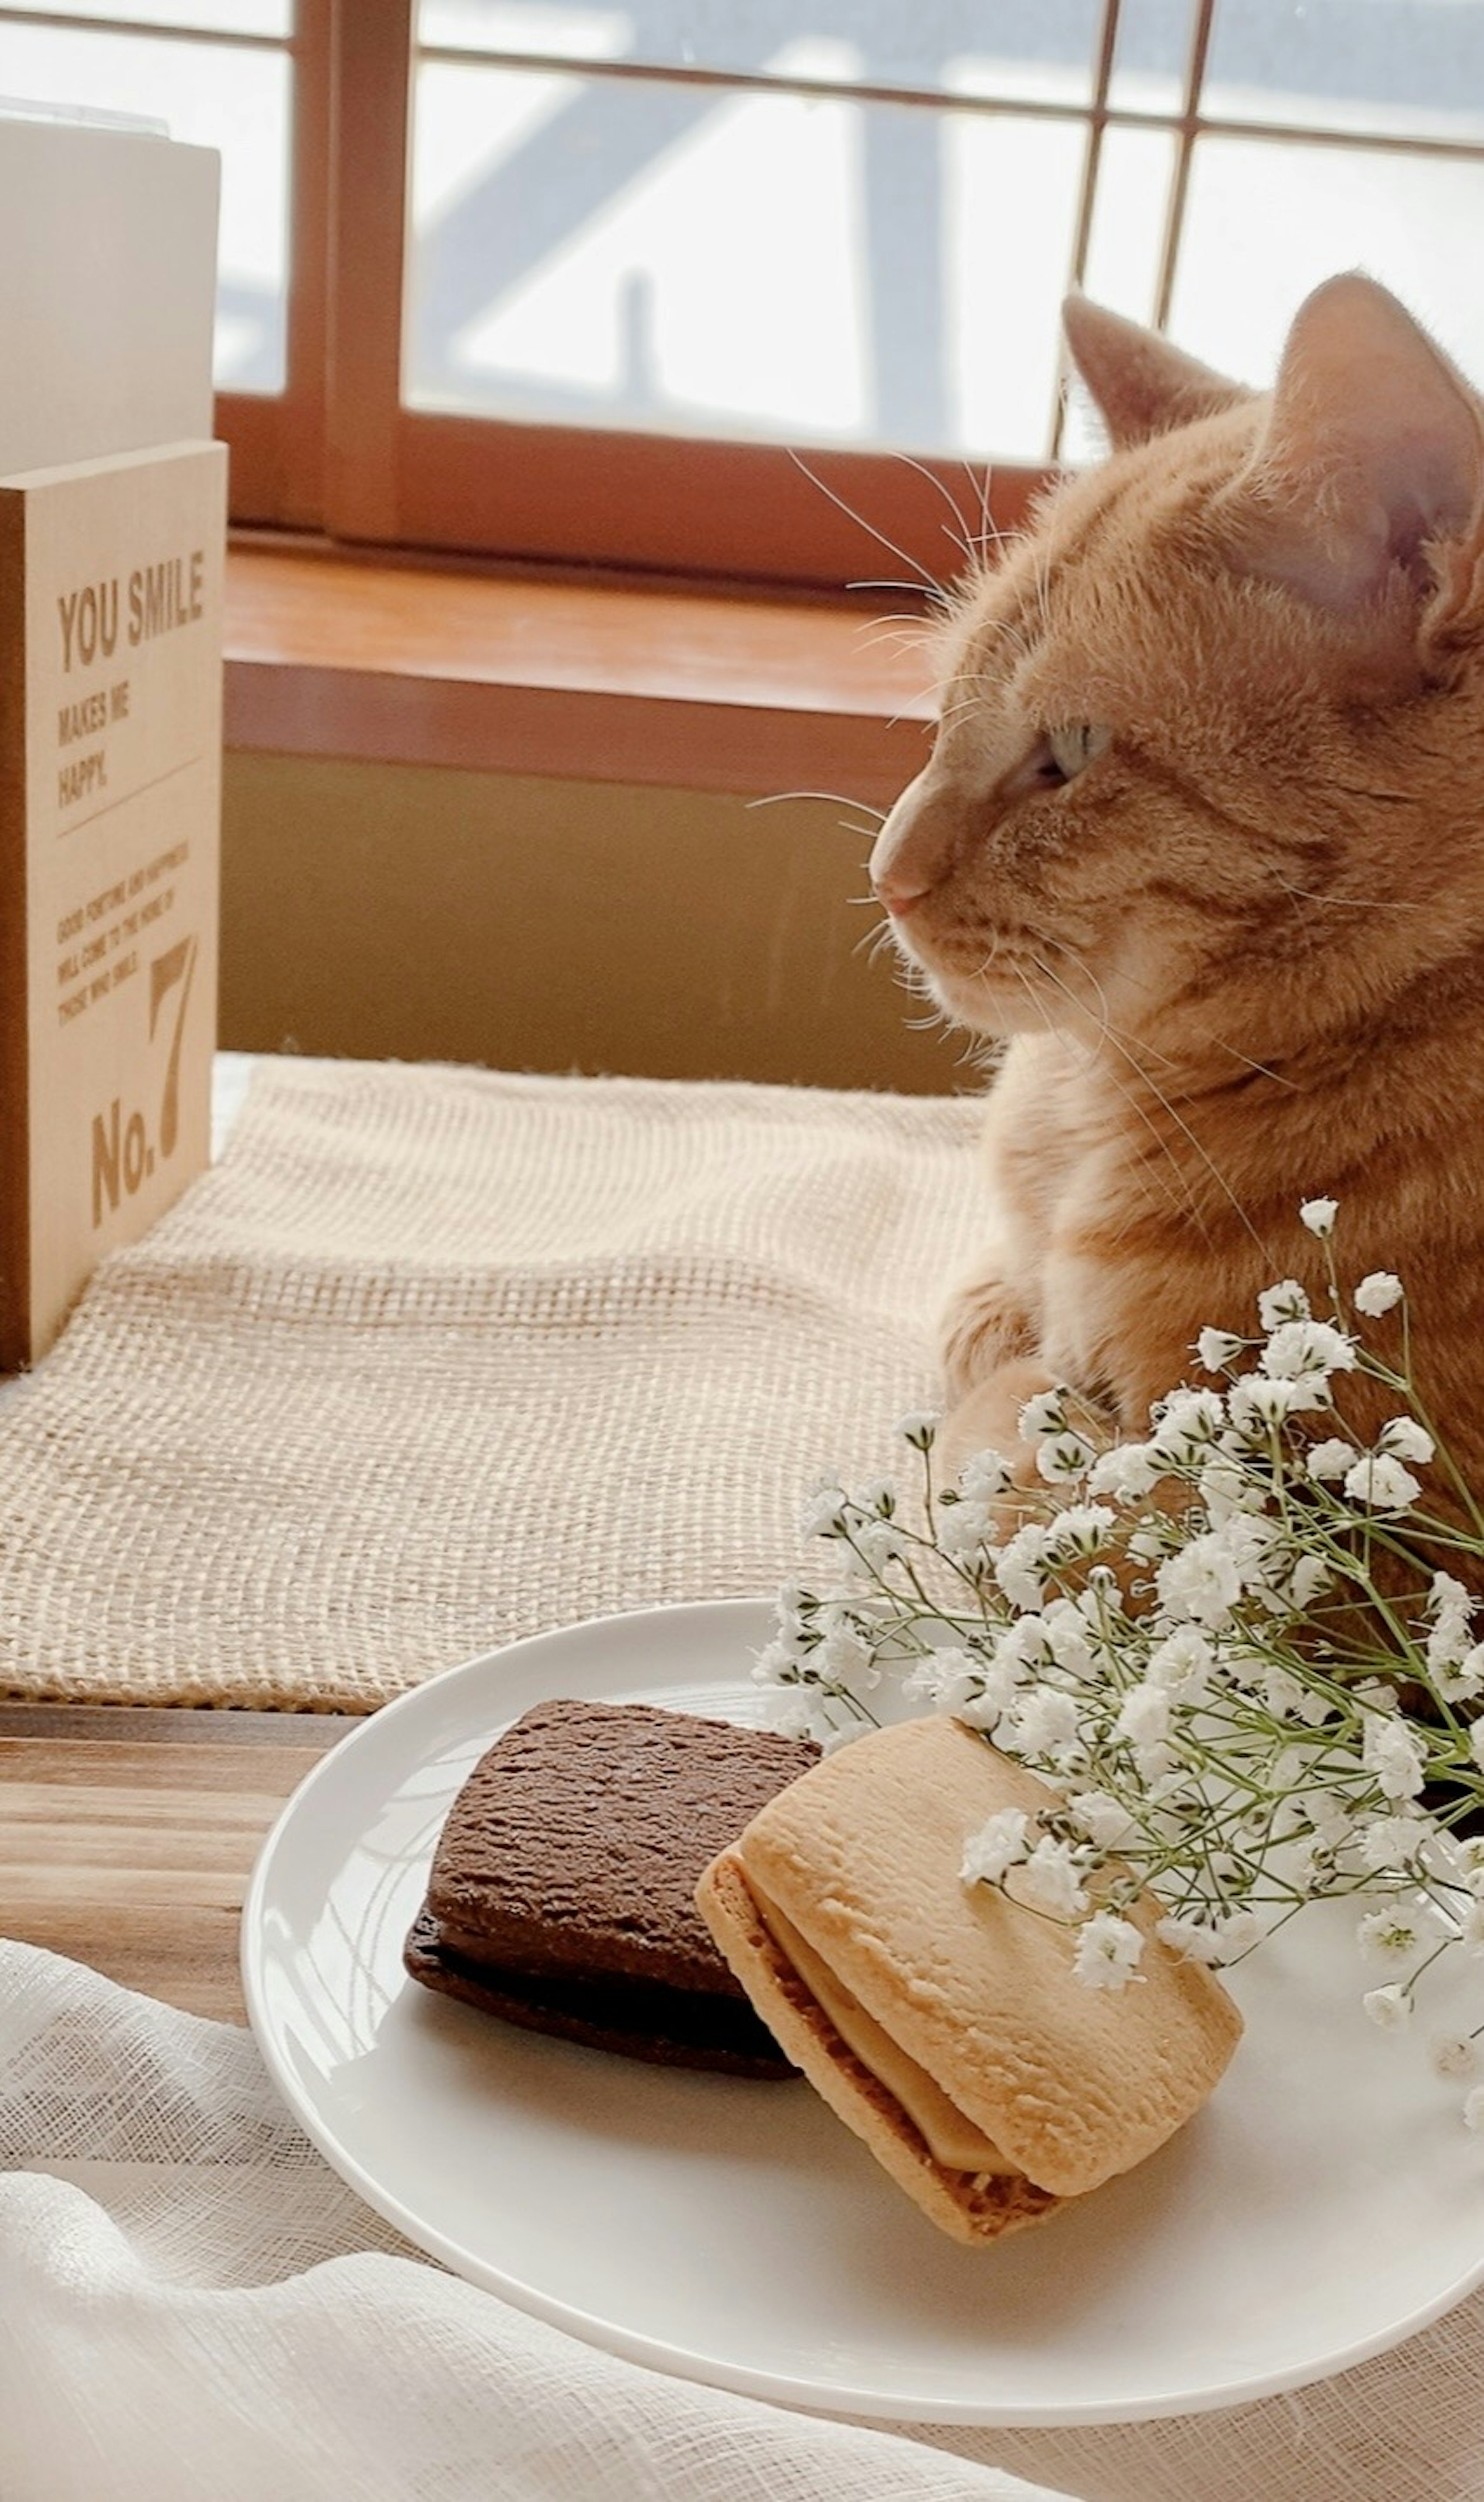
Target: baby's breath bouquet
point(1232, 1649)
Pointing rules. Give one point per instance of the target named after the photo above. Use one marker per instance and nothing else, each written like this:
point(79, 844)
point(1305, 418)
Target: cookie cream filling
point(952, 2139)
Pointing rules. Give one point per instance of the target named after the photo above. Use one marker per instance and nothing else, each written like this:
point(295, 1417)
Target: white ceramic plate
point(1327, 2202)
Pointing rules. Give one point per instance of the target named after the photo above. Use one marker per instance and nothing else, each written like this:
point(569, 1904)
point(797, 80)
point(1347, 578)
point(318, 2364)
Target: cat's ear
point(1140, 385)
point(1372, 453)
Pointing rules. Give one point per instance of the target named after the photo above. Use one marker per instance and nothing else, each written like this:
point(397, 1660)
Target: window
point(575, 280)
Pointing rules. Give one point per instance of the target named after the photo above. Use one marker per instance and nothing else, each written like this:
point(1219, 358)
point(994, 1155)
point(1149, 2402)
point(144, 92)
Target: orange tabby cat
point(1202, 833)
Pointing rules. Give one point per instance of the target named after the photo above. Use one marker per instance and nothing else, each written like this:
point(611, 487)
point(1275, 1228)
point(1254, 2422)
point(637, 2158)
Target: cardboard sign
point(111, 583)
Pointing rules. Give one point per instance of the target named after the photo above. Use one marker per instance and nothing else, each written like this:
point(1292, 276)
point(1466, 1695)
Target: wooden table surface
point(127, 1836)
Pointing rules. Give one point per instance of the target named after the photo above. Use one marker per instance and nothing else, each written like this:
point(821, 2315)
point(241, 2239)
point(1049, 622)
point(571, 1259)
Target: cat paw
point(984, 1327)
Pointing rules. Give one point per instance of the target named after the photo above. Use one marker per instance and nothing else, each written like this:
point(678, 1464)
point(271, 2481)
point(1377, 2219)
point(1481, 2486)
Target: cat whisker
point(836, 798)
point(873, 943)
point(988, 533)
point(960, 535)
point(933, 588)
point(1351, 902)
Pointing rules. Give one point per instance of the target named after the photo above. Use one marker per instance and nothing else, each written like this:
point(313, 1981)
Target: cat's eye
point(1069, 751)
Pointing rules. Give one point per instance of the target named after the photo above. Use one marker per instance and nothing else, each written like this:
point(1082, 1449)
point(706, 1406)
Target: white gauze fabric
point(192, 2304)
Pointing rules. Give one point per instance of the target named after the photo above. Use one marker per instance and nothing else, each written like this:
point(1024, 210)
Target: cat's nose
point(911, 853)
point(898, 895)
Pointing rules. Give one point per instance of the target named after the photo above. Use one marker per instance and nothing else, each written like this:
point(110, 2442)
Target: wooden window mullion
point(373, 48)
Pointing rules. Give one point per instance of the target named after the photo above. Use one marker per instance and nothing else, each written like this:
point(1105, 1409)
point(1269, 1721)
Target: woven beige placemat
point(435, 1358)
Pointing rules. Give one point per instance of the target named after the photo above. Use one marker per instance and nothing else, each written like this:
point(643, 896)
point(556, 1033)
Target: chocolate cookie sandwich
point(561, 1895)
point(944, 2024)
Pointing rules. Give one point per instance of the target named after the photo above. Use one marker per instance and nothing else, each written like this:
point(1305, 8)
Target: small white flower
point(1062, 1458)
point(777, 1664)
point(1186, 1424)
point(1462, 1681)
point(1191, 1939)
point(1390, 2008)
point(1382, 1484)
point(1081, 1530)
point(848, 1660)
point(1217, 1348)
point(1236, 1934)
point(1046, 1721)
point(1286, 1302)
point(1068, 1639)
point(1476, 1743)
point(1226, 1489)
point(1393, 1844)
point(1374, 1694)
point(878, 1544)
point(1044, 1415)
point(986, 1476)
point(964, 1530)
point(1453, 2055)
point(1049, 1880)
point(1019, 1568)
point(1024, 1644)
point(825, 1512)
point(988, 1707)
point(1281, 1692)
point(1470, 1926)
point(1109, 1951)
point(999, 1844)
point(918, 1429)
point(1451, 1608)
point(1200, 1584)
point(1258, 1404)
point(795, 1714)
point(1328, 1459)
point(1331, 1823)
point(1298, 1347)
point(1390, 1936)
point(1473, 2107)
point(1394, 1756)
point(946, 1679)
point(1099, 1816)
point(1144, 1716)
point(1128, 1472)
point(1377, 1294)
point(1319, 1215)
point(1447, 1596)
point(1182, 1664)
point(1308, 1580)
point(1403, 1439)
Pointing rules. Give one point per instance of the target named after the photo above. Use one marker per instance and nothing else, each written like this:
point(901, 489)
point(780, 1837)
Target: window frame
point(277, 439)
point(338, 453)
point(531, 493)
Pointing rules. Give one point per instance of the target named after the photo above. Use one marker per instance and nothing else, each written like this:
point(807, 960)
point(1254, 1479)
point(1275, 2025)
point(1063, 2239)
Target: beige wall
point(401, 912)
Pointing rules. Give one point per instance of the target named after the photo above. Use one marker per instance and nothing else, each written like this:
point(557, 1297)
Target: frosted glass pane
point(1152, 56)
point(1415, 66)
point(1015, 188)
point(1004, 47)
point(236, 100)
point(214, 17)
point(1134, 174)
point(672, 259)
point(1128, 238)
point(1268, 219)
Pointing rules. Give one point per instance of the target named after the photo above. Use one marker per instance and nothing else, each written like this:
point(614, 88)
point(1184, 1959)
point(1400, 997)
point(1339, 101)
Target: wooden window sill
point(393, 662)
